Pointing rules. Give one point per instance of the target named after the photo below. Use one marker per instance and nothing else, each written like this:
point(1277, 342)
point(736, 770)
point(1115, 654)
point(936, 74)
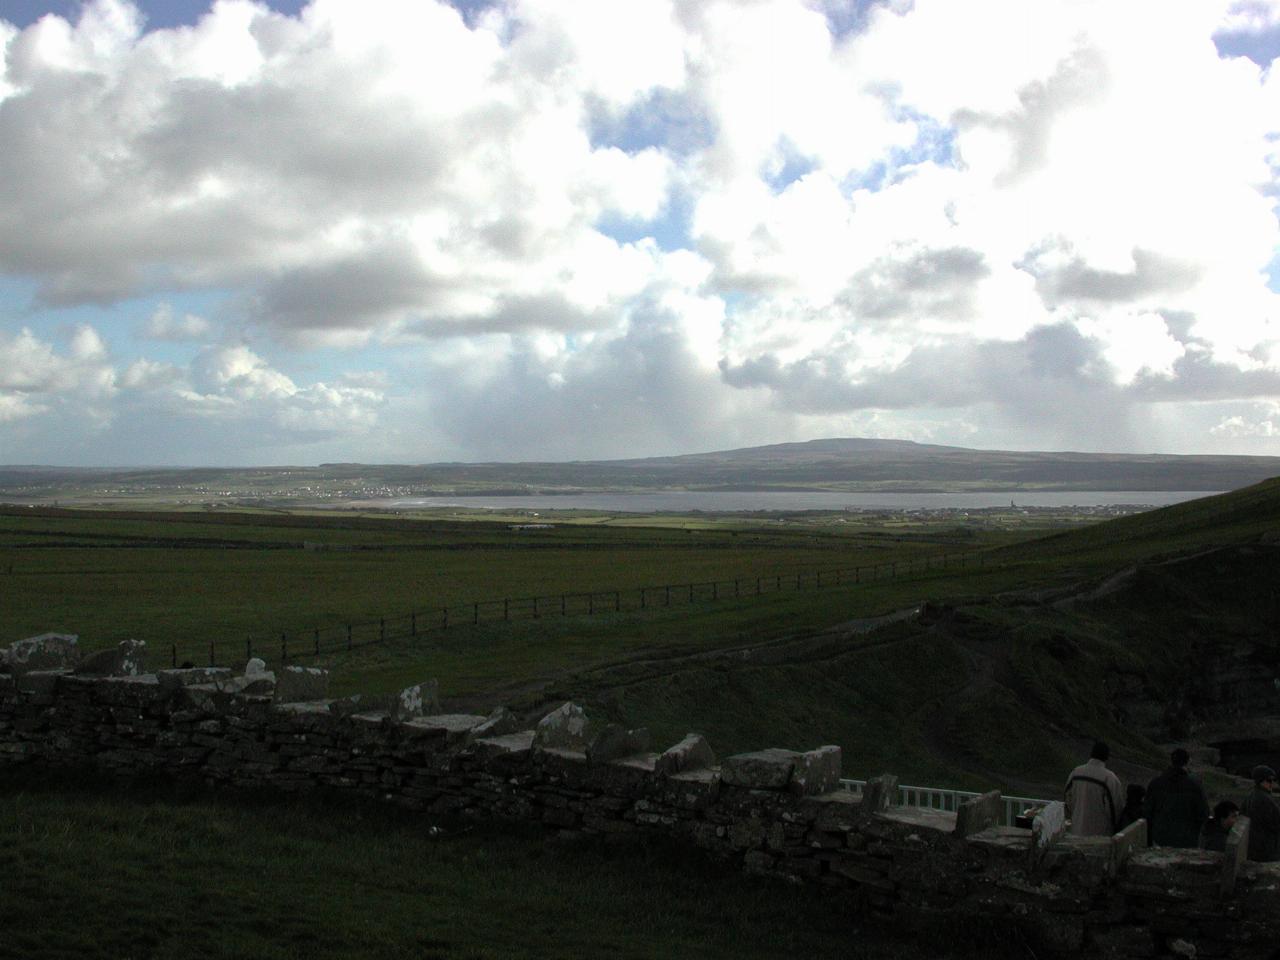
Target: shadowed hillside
point(1173, 635)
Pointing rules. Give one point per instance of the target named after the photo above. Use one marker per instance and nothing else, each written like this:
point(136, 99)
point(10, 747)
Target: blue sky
point(401, 231)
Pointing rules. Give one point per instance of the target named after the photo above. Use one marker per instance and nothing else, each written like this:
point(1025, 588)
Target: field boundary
point(291, 646)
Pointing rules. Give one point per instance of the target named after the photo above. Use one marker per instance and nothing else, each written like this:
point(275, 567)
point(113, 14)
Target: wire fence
point(292, 645)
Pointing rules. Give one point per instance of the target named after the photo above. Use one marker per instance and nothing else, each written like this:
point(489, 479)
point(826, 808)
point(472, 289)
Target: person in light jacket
point(1094, 796)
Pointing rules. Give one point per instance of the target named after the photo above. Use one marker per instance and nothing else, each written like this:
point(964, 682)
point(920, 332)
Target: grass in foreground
point(99, 871)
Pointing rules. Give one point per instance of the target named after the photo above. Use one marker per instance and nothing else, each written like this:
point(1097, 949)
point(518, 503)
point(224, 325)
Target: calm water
point(679, 502)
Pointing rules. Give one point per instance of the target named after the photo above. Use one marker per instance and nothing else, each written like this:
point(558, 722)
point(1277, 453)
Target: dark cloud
point(931, 282)
point(1152, 274)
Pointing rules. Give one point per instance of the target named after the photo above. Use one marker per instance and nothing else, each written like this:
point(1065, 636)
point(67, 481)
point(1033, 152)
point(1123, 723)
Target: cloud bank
point(569, 229)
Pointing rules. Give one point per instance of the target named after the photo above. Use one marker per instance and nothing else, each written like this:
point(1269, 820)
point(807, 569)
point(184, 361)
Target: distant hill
point(835, 464)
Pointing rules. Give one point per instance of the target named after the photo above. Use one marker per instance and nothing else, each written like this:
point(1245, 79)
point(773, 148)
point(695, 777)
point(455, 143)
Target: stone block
point(978, 813)
point(691, 753)
point(451, 728)
point(1128, 841)
point(509, 745)
point(418, 700)
point(816, 771)
point(39, 682)
point(565, 728)
point(296, 684)
point(614, 742)
point(761, 770)
point(1234, 855)
point(124, 660)
point(190, 676)
point(498, 724)
point(1048, 827)
point(48, 651)
point(880, 794)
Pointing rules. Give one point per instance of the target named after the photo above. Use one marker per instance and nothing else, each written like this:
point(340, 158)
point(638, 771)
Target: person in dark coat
point(1264, 817)
point(1213, 836)
point(1175, 807)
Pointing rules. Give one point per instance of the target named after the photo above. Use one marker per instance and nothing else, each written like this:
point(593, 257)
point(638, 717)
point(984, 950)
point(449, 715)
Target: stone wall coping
point(843, 798)
point(1087, 846)
point(941, 820)
point(700, 775)
point(301, 707)
point(575, 756)
point(448, 722)
point(508, 742)
point(640, 761)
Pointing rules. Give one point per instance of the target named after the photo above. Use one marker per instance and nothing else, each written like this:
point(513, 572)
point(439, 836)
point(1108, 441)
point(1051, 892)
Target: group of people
point(1174, 805)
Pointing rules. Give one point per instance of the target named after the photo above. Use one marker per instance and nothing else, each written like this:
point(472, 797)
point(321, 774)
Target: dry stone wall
point(778, 813)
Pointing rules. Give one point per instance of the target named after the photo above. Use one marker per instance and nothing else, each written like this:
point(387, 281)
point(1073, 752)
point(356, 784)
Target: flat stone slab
point(191, 676)
point(452, 726)
point(941, 820)
point(691, 753)
point(48, 651)
point(39, 681)
point(295, 684)
point(816, 771)
point(126, 659)
point(504, 745)
point(564, 728)
point(303, 707)
point(614, 742)
point(416, 701)
point(499, 723)
point(761, 770)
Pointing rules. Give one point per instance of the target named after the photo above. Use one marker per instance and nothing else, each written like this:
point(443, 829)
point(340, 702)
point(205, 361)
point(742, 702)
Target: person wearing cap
point(1094, 796)
point(1264, 817)
point(1175, 806)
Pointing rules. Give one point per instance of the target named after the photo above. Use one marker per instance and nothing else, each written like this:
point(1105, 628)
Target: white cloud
point(966, 211)
point(163, 324)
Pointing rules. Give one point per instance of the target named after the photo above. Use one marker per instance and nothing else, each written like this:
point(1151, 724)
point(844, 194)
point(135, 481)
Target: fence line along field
point(184, 581)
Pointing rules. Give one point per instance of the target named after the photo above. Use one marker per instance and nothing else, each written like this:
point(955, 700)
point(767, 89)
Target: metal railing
point(940, 798)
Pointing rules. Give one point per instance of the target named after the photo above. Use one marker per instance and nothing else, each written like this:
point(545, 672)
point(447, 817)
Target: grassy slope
point(92, 872)
point(998, 690)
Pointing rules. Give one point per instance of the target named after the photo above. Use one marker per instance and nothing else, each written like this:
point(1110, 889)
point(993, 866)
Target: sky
point(411, 231)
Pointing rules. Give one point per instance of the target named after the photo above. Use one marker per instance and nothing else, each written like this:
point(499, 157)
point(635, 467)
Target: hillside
point(1147, 630)
point(848, 464)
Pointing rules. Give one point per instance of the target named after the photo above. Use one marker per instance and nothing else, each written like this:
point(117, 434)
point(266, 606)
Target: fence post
point(535, 608)
point(317, 641)
point(173, 654)
point(348, 636)
point(211, 653)
point(778, 585)
point(444, 618)
point(284, 650)
point(691, 593)
point(642, 598)
point(506, 608)
point(382, 628)
point(562, 604)
point(475, 613)
point(715, 589)
point(819, 578)
point(736, 591)
point(757, 586)
point(617, 600)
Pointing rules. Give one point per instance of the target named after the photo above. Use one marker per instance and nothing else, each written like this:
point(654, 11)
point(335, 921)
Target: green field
point(1029, 649)
point(156, 873)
